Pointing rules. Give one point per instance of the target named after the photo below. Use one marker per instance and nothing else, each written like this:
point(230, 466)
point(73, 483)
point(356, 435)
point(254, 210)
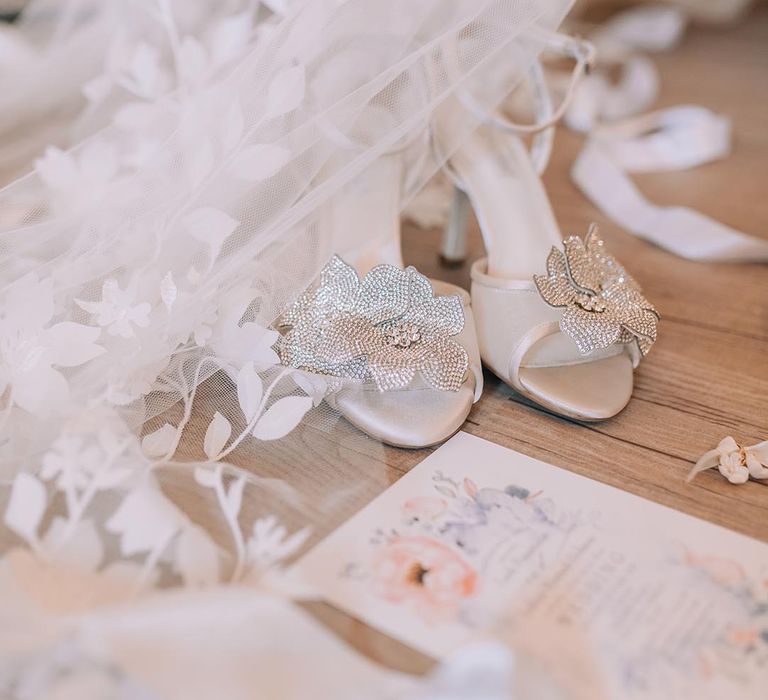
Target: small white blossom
point(31, 349)
point(72, 462)
point(116, 311)
point(734, 462)
point(270, 543)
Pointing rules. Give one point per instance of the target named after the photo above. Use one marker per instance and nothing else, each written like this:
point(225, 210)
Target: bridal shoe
point(560, 321)
point(400, 351)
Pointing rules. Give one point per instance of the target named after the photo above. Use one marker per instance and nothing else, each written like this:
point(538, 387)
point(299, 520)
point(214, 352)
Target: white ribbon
point(682, 137)
point(620, 42)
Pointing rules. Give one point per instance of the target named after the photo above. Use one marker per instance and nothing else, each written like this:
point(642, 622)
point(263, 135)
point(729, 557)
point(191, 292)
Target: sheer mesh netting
point(150, 436)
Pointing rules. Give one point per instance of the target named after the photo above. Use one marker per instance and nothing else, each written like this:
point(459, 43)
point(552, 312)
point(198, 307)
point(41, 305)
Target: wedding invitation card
point(620, 597)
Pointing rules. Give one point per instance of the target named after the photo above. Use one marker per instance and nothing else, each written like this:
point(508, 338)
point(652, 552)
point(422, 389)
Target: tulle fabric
point(68, 68)
point(149, 436)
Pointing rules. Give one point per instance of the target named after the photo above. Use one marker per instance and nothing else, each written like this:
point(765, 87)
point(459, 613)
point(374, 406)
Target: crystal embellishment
point(383, 329)
point(603, 304)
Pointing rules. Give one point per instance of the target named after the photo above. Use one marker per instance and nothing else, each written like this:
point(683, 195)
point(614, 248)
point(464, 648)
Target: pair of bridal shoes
point(558, 320)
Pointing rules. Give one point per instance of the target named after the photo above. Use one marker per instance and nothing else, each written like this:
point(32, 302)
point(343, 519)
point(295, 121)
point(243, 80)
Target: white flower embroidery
point(71, 462)
point(270, 543)
point(734, 462)
point(30, 348)
point(242, 342)
point(77, 180)
point(77, 461)
point(116, 311)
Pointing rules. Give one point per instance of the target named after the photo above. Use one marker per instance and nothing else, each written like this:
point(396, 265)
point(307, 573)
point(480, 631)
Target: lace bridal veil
point(149, 436)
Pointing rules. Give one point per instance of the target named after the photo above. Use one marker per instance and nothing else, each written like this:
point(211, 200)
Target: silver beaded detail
point(383, 329)
point(603, 304)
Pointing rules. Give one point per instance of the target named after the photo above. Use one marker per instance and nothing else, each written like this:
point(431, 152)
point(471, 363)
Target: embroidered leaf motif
point(31, 348)
point(144, 75)
point(286, 91)
point(197, 558)
point(282, 417)
point(210, 226)
point(145, 520)
point(168, 290)
point(206, 477)
point(216, 436)
point(259, 162)
point(235, 496)
point(230, 37)
point(247, 343)
point(158, 443)
point(250, 389)
point(73, 344)
point(26, 506)
point(77, 180)
point(313, 385)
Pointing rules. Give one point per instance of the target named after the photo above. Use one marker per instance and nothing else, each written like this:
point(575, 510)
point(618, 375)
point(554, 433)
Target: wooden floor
point(707, 376)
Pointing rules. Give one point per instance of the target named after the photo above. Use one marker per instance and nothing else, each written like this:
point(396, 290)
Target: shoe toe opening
point(592, 391)
point(412, 418)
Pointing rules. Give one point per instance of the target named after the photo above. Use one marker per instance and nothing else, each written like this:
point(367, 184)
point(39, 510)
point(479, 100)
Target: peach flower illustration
point(724, 572)
point(744, 637)
point(424, 507)
point(426, 573)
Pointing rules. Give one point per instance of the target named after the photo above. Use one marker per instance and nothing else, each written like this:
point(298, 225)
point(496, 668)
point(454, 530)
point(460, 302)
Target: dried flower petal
point(734, 462)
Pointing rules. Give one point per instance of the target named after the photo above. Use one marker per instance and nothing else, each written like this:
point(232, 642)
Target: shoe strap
point(542, 129)
point(584, 54)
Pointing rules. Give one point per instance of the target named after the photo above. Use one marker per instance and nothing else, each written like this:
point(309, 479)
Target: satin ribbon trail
point(672, 139)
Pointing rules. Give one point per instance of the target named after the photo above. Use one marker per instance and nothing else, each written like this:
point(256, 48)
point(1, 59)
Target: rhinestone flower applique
point(603, 304)
point(384, 329)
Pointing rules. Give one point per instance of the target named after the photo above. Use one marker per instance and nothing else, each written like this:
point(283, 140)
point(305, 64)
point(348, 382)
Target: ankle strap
point(581, 50)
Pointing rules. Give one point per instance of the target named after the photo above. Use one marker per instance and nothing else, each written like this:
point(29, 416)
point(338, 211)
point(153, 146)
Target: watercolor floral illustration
point(445, 554)
point(745, 641)
point(434, 562)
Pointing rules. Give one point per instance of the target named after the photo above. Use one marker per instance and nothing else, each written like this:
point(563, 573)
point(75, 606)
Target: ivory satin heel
point(561, 322)
point(399, 350)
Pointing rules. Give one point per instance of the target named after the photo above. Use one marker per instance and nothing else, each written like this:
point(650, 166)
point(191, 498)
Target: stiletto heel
point(453, 252)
